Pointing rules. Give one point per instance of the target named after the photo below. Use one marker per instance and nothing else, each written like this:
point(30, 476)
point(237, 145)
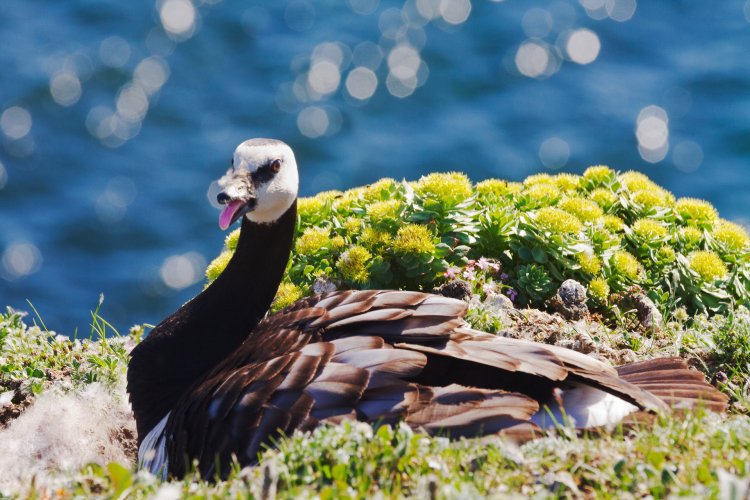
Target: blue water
point(97, 199)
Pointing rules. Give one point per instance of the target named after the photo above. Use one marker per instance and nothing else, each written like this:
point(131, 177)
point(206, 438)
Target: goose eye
point(276, 166)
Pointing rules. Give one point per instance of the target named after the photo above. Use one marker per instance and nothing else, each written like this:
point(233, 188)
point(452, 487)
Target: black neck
point(203, 332)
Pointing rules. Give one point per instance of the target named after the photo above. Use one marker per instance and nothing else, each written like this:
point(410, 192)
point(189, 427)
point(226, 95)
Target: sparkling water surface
point(115, 117)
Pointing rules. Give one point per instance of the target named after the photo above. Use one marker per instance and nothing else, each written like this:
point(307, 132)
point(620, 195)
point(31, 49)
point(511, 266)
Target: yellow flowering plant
point(608, 230)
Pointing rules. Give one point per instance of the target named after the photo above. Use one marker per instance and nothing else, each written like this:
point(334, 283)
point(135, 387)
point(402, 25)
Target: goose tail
point(675, 383)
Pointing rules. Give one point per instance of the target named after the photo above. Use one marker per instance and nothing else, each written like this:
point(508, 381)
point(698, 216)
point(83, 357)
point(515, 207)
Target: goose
point(220, 379)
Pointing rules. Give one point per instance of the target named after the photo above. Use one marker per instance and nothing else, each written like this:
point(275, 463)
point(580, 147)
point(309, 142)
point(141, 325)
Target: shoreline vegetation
point(606, 263)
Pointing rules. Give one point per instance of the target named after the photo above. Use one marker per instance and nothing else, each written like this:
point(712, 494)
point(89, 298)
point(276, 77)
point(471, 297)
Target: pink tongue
point(225, 219)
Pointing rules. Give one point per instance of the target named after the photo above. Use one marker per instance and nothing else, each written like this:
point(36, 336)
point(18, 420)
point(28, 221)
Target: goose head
point(261, 184)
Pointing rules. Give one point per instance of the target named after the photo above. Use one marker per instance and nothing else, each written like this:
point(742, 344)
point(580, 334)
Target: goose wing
point(383, 356)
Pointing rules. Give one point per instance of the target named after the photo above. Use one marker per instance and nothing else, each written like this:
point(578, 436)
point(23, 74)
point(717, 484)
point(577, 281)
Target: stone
point(648, 314)
point(570, 301)
point(455, 289)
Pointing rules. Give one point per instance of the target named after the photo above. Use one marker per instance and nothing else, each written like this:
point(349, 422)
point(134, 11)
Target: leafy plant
point(607, 230)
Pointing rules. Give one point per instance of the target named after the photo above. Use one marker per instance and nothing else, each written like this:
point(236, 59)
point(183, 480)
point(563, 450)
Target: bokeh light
point(313, 121)
point(367, 54)
point(299, 15)
point(652, 132)
point(178, 17)
point(582, 46)
point(181, 271)
point(687, 156)
point(534, 59)
point(114, 51)
point(537, 22)
point(3, 176)
point(361, 83)
point(364, 7)
point(151, 74)
point(112, 204)
point(305, 71)
point(65, 88)
point(620, 10)
point(20, 259)
point(455, 11)
point(15, 122)
point(554, 152)
point(132, 103)
point(324, 77)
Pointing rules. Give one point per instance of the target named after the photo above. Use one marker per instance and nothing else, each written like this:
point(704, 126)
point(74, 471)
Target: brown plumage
point(375, 356)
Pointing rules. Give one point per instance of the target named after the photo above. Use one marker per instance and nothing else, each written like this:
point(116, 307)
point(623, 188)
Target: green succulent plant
point(608, 230)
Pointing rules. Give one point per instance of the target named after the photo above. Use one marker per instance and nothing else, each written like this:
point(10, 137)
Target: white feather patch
point(152, 454)
point(584, 406)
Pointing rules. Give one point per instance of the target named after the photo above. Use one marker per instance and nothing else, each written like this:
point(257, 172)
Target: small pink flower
point(489, 288)
point(469, 274)
point(450, 273)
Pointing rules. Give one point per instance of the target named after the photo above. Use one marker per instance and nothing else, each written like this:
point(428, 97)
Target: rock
point(455, 289)
point(535, 325)
point(498, 301)
point(323, 285)
point(648, 314)
point(570, 301)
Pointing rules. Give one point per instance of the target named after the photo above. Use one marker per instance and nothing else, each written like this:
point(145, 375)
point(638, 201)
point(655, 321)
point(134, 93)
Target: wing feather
point(384, 356)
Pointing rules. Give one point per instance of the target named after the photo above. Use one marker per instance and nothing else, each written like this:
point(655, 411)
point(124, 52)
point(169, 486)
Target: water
point(116, 117)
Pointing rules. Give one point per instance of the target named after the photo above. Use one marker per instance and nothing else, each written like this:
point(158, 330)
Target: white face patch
point(273, 197)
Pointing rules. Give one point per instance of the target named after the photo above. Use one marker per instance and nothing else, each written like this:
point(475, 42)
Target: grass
point(613, 232)
point(700, 454)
